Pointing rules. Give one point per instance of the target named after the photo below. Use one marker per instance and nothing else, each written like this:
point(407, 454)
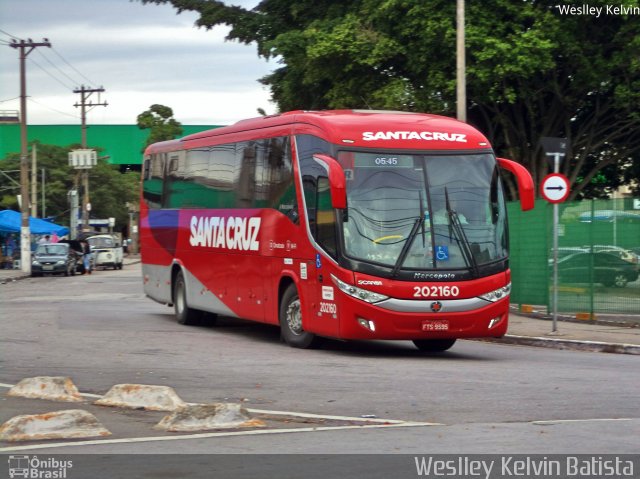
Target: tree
point(533, 69)
point(110, 190)
point(159, 120)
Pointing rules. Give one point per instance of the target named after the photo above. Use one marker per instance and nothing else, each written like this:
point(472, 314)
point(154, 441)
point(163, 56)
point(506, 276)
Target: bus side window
point(278, 180)
point(146, 169)
point(325, 217)
point(153, 180)
point(223, 176)
point(173, 183)
point(246, 159)
point(310, 197)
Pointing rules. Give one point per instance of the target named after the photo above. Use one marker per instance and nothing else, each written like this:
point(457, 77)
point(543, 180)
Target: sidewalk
point(578, 335)
point(524, 330)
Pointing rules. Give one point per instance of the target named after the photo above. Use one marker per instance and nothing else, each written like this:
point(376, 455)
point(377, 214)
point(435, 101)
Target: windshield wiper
point(407, 245)
point(422, 215)
point(455, 223)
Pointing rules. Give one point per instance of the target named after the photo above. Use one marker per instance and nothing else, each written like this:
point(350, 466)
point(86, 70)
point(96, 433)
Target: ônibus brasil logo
point(35, 468)
point(226, 233)
point(413, 135)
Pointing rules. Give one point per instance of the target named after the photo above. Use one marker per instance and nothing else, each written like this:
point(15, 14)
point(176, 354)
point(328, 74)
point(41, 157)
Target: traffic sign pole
point(556, 221)
point(555, 189)
point(552, 190)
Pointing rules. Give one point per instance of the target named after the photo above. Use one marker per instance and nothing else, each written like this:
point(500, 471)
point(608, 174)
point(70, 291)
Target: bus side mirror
point(525, 182)
point(337, 181)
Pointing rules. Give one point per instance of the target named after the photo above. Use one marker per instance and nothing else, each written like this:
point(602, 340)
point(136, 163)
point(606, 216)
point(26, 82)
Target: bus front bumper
point(431, 319)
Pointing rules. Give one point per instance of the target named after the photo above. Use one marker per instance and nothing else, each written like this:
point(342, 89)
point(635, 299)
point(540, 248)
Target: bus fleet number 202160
point(341, 224)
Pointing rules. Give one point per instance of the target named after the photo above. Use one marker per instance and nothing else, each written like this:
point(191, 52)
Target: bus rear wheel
point(184, 314)
point(433, 345)
point(291, 321)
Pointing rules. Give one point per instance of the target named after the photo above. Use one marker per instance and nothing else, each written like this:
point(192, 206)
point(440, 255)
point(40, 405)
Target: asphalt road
point(477, 398)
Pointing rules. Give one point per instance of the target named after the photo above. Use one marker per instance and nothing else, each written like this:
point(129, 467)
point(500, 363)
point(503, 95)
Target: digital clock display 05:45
point(370, 160)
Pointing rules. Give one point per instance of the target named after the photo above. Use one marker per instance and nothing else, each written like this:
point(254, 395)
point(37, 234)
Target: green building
point(121, 143)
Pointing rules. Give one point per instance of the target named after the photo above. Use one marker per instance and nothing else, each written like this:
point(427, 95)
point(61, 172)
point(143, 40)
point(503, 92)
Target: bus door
point(322, 223)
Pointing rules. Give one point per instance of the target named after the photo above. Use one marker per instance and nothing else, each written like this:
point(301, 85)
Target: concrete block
point(53, 388)
point(69, 424)
point(203, 417)
point(142, 396)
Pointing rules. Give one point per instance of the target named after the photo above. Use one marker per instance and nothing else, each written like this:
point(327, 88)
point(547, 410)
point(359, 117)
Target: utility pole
point(34, 180)
point(26, 47)
point(44, 204)
point(461, 79)
point(85, 93)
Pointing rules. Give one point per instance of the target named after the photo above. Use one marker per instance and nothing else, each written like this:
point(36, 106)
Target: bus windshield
point(434, 212)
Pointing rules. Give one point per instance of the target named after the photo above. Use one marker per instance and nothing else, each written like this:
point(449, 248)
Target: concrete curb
point(142, 396)
point(569, 344)
point(52, 388)
point(205, 417)
point(68, 424)
point(11, 279)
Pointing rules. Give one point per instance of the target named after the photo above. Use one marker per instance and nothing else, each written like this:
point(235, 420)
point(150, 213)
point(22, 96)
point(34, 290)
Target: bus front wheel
point(434, 345)
point(184, 314)
point(291, 321)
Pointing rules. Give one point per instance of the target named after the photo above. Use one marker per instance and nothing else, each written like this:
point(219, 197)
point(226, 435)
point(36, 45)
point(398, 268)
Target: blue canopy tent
point(11, 221)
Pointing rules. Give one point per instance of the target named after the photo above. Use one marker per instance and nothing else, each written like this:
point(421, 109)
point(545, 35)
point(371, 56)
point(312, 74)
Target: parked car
point(621, 253)
point(107, 251)
point(565, 251)
point(54, 258)
point(605, 268)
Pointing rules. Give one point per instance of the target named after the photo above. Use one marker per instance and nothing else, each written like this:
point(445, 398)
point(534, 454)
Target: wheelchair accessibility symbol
point(442, 253)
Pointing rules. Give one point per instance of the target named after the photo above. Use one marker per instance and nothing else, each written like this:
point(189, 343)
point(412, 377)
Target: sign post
point(555, 189)
point(83, 160)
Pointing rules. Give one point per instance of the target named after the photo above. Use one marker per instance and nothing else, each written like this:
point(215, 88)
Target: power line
point(9, 99)
point(58, 54)
point(53, 109)
point(71, 66)
point(50, 74)
point(12, 36)
point(56, 67)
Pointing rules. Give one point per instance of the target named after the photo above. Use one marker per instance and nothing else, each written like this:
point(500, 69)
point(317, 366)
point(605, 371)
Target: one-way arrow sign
point(555, 188)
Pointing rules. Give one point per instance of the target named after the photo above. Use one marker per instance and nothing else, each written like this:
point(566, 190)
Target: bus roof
point(362, 128)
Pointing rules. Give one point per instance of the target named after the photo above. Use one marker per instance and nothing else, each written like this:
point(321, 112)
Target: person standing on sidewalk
point(86, 256)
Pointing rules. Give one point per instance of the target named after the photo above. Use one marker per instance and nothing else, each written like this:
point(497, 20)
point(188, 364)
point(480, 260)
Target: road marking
point(256, 432)
point(567, 421)
point(337, 418)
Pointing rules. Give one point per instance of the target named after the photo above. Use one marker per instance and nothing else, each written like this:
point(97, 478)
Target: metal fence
point(599, 246)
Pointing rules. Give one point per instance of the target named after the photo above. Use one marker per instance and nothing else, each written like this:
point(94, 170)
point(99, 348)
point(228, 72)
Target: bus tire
point(184, 314)
point(291, 321)
point(433, 345)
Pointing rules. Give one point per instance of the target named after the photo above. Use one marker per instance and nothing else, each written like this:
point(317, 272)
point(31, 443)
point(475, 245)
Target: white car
point(107, 251)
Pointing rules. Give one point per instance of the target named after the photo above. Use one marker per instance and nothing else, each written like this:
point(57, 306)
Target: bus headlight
point(362, 294)
point(498, 294)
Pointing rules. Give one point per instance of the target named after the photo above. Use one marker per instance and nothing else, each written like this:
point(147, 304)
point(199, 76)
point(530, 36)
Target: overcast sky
point(140, 54)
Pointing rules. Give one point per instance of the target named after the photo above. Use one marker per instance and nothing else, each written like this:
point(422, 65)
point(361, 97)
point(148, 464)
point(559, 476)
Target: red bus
point(341, 224)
